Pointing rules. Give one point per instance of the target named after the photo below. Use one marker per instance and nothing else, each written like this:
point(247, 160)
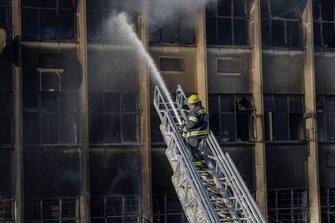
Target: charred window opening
point(326, 117)
point(7, 210)
point(174, 31)
point(114, 118)
point(100, 26)
point(167, 208)
point(324, 23)
point(52, 210)
point(49, 20)
point(284, 118)
point(115, 208)
point(51, 111)
point(281, 23)
point(288, 206)
point(230, 117)
point(6, 103)
point(327, 198)
point(5, 15)
point(227, 22)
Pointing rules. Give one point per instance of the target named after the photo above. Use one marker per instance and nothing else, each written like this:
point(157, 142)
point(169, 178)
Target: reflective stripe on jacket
point(197, 123)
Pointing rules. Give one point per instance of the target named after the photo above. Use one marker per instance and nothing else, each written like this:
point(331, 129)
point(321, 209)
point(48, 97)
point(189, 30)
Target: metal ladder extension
point(216, 193)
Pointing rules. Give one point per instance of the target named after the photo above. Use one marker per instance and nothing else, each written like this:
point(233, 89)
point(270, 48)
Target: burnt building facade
point(79, 137)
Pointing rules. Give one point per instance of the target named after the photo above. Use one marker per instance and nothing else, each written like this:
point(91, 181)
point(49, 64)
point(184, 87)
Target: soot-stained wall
point(286, 166)
point(180, 70)
point(228, 70)
point(115, 171)
point(114, 110)
point(50, 121)
point(283, 72)
point(51, 173)
point(7, 182)
point(324, 72)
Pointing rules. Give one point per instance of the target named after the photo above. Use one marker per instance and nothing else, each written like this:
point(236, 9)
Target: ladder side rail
point(241, 187)
point(181, 100)
point(229, 176)
point(241, 196)
point(252, 200)
point(195, 179)
point(185, 195)
point(213, 164)
point(192, 174)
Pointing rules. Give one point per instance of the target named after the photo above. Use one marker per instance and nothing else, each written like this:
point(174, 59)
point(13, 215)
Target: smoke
point(167, 11)
point(162, 12)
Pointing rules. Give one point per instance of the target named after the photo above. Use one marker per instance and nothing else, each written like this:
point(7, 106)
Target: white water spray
point(129, 33)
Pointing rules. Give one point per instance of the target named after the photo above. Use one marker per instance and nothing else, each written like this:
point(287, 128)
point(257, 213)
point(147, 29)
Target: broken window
point(50, 114)
point(324, 22)
point(284, 117)
point(115, 208)
point(230, 117)
point(5, 15)
point(281, 23)
point(326, 117)
point(288, 206)
point(49, 20)
point(114, 117)
point(227, 22)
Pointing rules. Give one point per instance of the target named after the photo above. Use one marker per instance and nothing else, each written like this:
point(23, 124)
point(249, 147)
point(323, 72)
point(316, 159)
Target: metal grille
point(171, 64)
point(6, 210)
point(115, 208)
point(229, 66)
point(52, 210)
point(288, 206)
point(327, 205)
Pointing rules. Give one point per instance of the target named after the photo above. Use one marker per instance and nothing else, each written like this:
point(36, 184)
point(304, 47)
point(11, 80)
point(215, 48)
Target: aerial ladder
point(216, 193)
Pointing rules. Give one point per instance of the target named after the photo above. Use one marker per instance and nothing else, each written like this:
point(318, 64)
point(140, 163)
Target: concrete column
point(17, 110)
point(83, 129)
point(145, 141)
point(257, 93)
point(201, 56)
point(310, 114)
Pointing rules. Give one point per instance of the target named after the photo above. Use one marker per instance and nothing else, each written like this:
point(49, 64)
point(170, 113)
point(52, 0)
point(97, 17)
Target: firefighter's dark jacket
point(197, 123)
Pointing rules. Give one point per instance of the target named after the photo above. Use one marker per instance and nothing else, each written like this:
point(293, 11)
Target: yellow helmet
point(193, 99)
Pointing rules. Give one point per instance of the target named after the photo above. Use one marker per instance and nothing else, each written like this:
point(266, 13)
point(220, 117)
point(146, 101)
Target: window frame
point(8, 17)
point(319, 36)
point(269, 118)
point(269, 19)
point(41, 112)
point(57, 9)
point(232, 18)
point(235, 112)
point(121, 113)
point(321, 101)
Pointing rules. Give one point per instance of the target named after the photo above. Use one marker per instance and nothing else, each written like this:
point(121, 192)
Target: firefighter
point(196, 128)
